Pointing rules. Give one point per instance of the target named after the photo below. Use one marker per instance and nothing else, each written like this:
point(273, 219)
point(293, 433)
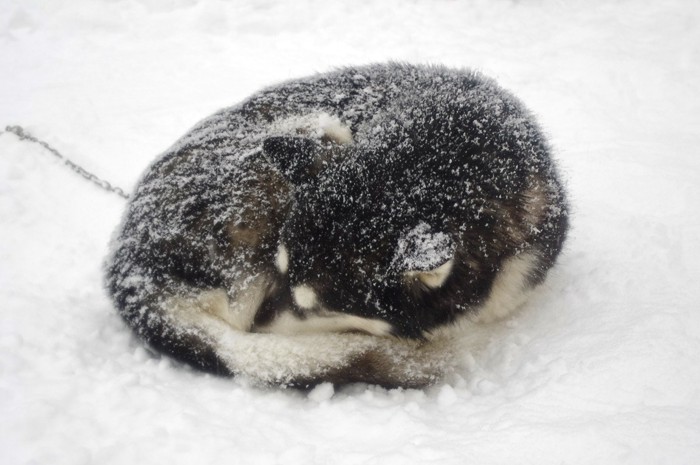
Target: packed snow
point(601, 366)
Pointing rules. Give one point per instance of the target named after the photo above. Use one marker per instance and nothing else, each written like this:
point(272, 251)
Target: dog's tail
point(168, 323)
point(188, 327)
point(207, 329)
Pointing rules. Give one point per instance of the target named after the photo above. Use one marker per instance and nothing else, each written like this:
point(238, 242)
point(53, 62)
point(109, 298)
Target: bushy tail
point(186, 327)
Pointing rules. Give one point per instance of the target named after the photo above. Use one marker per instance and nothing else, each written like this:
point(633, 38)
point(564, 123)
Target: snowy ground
point(602, 367)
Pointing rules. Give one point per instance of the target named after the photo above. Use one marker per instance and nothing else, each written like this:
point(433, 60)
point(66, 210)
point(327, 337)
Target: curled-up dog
point(352, 226)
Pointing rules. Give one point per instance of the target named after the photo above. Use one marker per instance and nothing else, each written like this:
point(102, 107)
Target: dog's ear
point(426, 255)
point(293, 156)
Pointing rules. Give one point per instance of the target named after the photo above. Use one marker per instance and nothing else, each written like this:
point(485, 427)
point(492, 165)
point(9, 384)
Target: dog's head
point(364, 235)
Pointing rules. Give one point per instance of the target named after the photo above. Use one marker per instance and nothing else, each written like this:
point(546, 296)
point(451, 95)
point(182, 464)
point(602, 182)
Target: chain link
point(20, 132)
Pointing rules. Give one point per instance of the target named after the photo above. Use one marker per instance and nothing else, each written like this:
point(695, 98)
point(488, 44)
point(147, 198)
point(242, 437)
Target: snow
point(600, 367)
point(421, 249)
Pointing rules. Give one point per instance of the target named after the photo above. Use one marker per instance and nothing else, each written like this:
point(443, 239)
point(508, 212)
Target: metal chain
point(20, 132)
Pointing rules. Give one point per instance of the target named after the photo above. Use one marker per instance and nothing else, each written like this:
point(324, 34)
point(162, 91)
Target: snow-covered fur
point(353, 226)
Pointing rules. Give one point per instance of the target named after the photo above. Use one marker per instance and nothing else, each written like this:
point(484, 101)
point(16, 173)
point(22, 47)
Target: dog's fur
point(341, 228)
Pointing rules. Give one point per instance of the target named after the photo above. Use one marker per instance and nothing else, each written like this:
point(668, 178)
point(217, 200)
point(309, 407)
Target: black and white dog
point(349, 226)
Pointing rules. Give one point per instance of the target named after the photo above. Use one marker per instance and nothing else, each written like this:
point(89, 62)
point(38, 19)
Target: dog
point(345, 227)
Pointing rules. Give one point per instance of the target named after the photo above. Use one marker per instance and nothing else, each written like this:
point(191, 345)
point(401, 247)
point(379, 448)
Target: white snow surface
point(602, 366)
